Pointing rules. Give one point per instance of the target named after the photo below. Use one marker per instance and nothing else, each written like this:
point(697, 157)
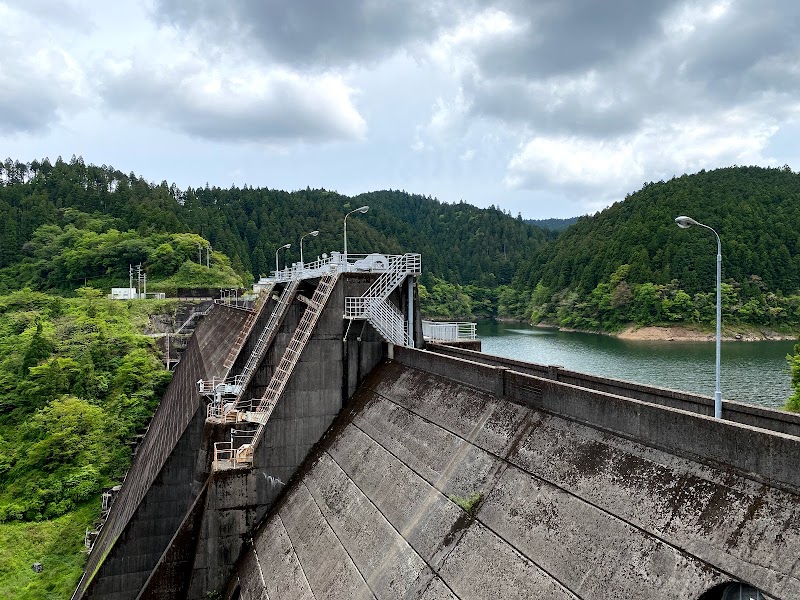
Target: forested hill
point(459, 242)
point(556, 225)
point(592, 273)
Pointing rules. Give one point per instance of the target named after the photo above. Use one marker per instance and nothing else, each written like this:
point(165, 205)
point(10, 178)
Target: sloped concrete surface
point(161, 485)
point(567, 510)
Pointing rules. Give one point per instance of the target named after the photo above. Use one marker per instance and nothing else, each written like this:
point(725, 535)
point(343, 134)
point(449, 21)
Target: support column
point(410, 284)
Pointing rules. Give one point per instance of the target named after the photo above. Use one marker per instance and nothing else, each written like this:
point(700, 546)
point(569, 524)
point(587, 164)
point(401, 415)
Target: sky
point(544, 108)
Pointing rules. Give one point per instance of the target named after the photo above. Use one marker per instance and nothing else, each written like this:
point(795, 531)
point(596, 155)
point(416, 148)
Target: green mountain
point(460, 243)
point(557, 225)
point(79, 381)
point(631, 263)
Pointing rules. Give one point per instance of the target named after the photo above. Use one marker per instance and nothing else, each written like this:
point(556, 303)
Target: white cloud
point(470, 99)
point(605, 169)
point(685, 19)
point(452, 51)
point(40, 80)
point(468, 154)
point(234, 102)
point(165, 78)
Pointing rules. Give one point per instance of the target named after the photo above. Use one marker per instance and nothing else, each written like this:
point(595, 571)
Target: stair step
point(256, 417)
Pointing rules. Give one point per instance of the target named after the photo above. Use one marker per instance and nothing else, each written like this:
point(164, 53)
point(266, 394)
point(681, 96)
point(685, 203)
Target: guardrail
point(355, 263)
point(219, 385)
point(228, 456)
point(448, 332)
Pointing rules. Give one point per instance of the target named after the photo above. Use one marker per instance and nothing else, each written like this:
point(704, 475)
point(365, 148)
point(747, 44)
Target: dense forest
point(460, 244)
point(78, 381)
point(66, 224)
point(631, 264)
point(557, 225)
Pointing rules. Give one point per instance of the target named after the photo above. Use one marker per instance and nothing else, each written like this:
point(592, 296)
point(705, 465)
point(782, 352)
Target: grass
point(469, 503)
point(57, 544)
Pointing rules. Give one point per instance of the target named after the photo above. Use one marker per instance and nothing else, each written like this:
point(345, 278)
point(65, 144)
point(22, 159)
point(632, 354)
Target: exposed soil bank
point(684, 333)
point(688, 334)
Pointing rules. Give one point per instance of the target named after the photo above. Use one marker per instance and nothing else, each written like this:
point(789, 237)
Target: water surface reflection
point(751, 371)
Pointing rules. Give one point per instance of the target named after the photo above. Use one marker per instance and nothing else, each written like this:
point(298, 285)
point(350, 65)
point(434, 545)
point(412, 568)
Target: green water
point(754, 372)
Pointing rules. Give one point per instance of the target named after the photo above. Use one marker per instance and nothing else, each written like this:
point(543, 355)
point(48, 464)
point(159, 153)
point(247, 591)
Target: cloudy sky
point(549, 108)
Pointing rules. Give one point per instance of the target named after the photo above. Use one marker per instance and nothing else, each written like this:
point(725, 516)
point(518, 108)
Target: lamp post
point(276, 257)
point(314, 233)
point(684, 223)
point(361, 209)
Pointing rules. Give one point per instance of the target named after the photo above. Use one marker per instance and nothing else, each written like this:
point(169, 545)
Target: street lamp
point(362, 210)
point(312, 234)
point(685, 223)
point(276, 256)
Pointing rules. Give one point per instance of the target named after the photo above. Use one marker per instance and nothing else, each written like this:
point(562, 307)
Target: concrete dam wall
point(161, 486)
point(178, 526)
point(393, 472)
point(566, 509)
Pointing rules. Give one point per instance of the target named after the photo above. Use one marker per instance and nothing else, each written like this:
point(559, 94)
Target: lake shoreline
point(686, 334)
point(755, 373)
point(672, 333)
point(682, 333)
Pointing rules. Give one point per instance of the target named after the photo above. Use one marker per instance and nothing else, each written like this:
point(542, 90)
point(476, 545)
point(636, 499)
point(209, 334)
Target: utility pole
point(139, 280)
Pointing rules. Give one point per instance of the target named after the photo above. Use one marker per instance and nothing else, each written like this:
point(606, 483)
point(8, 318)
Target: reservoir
point(754, 372)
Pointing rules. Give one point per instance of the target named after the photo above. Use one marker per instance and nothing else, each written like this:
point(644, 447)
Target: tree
point(39, 348)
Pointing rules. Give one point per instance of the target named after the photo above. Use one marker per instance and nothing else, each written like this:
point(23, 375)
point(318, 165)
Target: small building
point(123, 293)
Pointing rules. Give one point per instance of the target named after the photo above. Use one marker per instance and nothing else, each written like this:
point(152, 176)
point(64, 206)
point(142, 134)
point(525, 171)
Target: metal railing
point(397, 269)
point(236, 453)
point(231, 454)
point(268, 334)
point(385, 317)
point(355, 263)
point(215, 385)
point(244, 333)
point(448, 332)
point(192, 317)
point(373, 306)
point(216, 388)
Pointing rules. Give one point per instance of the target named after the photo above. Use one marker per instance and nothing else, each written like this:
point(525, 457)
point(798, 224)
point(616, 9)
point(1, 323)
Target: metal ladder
point(266, 337)
point(219, 410)
point(262, 412)
point(248, 325)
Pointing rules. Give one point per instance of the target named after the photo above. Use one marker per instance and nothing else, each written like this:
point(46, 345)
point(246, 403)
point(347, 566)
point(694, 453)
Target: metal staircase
point(373, 306)
point(388, 321)
point(266, 337)
point(226, 454)
point(238, 384)
point(261, 301)
point(190, 322)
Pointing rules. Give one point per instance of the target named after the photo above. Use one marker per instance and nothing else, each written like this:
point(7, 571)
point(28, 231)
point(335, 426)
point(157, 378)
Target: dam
point(315, 446)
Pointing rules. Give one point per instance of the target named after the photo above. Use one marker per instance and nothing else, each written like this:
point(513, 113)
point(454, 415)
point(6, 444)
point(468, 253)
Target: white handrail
point(361, 263)
point(449, 331)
